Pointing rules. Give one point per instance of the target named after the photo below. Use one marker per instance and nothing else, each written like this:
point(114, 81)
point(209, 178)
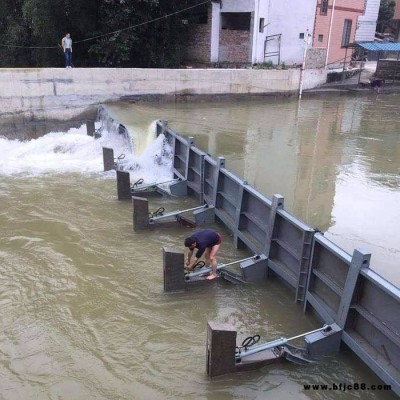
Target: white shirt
point(67, 43)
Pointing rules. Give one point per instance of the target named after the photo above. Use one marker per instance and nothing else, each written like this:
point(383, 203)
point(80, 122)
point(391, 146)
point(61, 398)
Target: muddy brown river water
point(84, 315)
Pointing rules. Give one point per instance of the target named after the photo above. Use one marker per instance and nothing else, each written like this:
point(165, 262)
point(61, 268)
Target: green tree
point(13, 33)
point(156, 38)
point(386, 12)
point(134, 33)
point(31, 30)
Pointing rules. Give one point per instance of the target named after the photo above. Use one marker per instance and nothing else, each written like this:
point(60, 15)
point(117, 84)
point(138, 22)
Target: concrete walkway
point(367, 71)
point(356, 83)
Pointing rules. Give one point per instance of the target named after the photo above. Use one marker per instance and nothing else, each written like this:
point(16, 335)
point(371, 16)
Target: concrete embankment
point(39, 91)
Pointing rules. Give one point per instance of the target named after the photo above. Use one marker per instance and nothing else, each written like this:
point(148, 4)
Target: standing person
point(66, 44)
point(208, 243)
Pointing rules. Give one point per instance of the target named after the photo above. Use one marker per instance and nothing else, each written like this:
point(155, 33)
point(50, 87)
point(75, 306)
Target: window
point(261, 27)
point(301, 35)
point(239, 21)
point(320, 38)
point(324, 7)
point(346, 32)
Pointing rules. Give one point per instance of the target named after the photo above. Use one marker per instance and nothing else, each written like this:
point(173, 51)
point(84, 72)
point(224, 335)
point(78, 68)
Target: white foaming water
point(76, 152)
point(153, 165)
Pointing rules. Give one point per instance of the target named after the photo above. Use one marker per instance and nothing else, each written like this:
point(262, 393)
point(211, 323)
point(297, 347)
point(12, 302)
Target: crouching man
point(206, 242)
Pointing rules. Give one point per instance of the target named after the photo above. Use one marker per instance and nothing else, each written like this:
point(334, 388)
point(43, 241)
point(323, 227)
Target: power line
point(110, 33)
point(142, 23)
point(28, 47)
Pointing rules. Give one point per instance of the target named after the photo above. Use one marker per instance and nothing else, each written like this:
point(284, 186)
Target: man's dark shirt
point(205, 238)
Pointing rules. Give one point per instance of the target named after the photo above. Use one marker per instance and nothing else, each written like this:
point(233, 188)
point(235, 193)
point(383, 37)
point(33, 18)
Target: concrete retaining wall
point(43, 90)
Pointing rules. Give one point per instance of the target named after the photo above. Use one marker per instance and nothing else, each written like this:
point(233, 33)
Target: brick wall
point(199, 47)
point(315, 58)
point(388, 69)
point(199, 44)
point(234, 46)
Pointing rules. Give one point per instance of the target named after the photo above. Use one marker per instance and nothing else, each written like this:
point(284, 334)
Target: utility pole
point(303, 65)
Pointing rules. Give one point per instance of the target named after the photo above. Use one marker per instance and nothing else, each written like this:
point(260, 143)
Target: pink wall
point(397, 10)
point(344, 9)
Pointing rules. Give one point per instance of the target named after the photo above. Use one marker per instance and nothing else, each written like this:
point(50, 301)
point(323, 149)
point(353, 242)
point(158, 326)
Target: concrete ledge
point(36, 89)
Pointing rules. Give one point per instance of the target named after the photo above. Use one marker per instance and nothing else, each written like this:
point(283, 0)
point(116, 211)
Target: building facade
point(335, 27)
point(366, 23)
point(253, 31)
point(258, 31)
